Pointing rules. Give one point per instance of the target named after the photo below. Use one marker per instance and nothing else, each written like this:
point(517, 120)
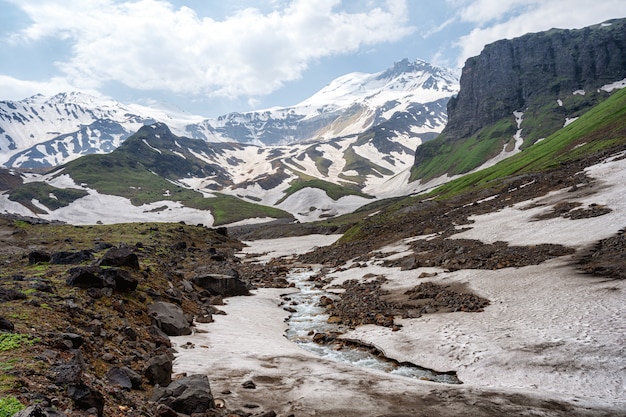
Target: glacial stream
point(308, 318)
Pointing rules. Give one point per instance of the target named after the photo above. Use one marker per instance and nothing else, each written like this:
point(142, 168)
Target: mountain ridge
point(547, 78)
point(33, 129)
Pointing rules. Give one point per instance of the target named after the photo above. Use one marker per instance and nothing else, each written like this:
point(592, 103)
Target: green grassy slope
point(543, 117)
point(603, 127)
point(332, 190)
point(122, 174)
point(51, 197)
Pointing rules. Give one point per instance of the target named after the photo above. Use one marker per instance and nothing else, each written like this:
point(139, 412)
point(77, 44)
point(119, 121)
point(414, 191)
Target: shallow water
point(309, 318)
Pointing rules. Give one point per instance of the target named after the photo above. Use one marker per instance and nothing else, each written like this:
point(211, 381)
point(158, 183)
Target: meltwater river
point(308, 318)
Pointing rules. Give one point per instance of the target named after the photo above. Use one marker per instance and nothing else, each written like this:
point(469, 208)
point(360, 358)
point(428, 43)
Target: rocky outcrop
point(96, 277)
point(120, 256)
point(87, 398)
point(549, 76)
point(124, 377)
point(170, 318)
point(187, 395)
point(159, 370)
point(508, 74)
point(69, 258)
point(221, 284)
point(38, 256)
point(6, 324)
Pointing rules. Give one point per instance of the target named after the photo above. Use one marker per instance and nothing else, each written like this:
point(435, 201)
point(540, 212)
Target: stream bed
point(308, 318)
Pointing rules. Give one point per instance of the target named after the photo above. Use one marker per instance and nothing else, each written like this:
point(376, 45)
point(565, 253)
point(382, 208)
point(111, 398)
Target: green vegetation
point(8, 365)
point(545, 116)
point(120, 175)
point(51, 197)
point(9, 406)
point(322, 164)
point(228, 209)
point(600, 128)
point(442, 156)
point(10, 341)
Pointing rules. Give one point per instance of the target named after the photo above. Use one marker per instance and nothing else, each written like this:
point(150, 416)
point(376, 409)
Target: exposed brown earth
point(80, 331)
point(368, 303)
point(607, 258)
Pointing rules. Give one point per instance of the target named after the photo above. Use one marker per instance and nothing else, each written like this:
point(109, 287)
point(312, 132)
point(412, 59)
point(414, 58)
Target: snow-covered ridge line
point(348, 105)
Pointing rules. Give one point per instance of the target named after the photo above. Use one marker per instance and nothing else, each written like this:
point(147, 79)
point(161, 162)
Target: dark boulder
point(159, 370)
point(88, 277)
point(98, 246)
point(179, 245)
point(158, 337)
point(96, 277)
point(70, 373)
point(187, 395)
point(71, 258)
point(8, 294)
point(6, 325)
point(224, 285)
point(120, 256)
point(42, 285)
point(170, 318)
point(87, 398)
point(122, 279)
point(38, 256)
point(124, 377)
point(68, 340)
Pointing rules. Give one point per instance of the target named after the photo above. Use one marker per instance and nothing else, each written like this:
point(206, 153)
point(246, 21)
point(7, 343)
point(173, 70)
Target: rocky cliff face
point(521, 90)
point(510, 75)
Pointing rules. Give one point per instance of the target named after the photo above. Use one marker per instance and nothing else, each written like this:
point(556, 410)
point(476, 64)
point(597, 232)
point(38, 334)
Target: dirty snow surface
point(552, 341)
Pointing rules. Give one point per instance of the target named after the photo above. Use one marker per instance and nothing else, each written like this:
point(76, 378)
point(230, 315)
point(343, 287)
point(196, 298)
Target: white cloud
point(506, 19)
point(16, 89)
point(150, 44)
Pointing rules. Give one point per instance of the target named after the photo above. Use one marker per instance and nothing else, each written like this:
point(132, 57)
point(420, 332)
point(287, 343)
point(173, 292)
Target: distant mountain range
point(326, 156)
point(410, 98)
point(363, 138)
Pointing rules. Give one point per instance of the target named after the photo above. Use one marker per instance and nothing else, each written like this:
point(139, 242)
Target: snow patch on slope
point(109, 209)
point(311, 204)
point(515, 223)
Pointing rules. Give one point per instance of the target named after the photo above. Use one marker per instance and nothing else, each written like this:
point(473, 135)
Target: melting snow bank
point(539, 351)
point(516, 224)
point(550, 344)
point(548, 329)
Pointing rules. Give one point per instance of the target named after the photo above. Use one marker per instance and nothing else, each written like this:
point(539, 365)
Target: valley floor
point(551, 342)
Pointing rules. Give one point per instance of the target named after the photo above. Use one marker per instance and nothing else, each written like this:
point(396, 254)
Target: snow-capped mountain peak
point(418, 81)
point(44, 131)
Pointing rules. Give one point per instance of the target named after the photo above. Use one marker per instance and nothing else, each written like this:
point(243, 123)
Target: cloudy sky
point(210, 57)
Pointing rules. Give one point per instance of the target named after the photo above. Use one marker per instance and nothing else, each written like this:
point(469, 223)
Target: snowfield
point(550, 333)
